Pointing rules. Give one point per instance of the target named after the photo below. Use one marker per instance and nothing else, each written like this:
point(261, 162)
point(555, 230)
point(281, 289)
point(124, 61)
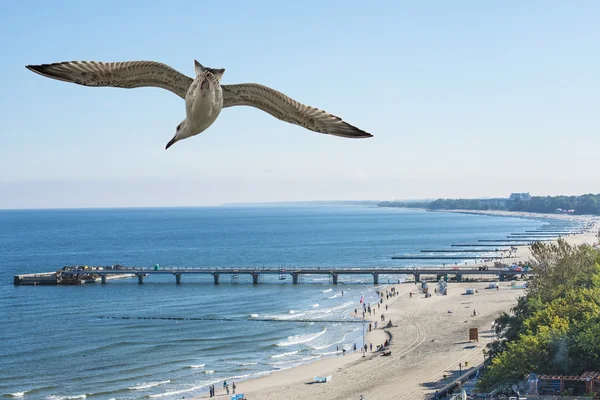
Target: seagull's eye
point(178, 126)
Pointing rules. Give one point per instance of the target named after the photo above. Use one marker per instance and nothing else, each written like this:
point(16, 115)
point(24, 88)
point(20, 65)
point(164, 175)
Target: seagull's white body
point(204, 95)
point(203, 104)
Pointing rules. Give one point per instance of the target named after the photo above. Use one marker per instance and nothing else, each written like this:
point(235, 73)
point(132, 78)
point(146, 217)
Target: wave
point(327, 290)
point(310, 358)
point(331, 344)
point(346, 304)
point(253, 315)
point(333, 297)
point(55, 397)
point(148, 385)
point(178, 391)
point(247, 363)
point(299, 339)
point(196, 366)
point(18, 394)
point(209, 371)
point(286, 316)
point(285, 354)
point(328, 353)
point(315, 305)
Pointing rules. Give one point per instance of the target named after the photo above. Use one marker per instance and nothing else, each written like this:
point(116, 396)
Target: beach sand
point(428, 344)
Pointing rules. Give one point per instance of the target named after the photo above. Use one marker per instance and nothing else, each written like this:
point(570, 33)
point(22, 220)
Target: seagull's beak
point(171, 142)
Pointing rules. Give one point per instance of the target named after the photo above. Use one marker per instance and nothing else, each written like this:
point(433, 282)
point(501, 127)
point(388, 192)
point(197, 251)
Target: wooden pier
point(93, 274)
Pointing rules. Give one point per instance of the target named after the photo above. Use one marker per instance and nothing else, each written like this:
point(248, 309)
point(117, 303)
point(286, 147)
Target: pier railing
point(83, 274)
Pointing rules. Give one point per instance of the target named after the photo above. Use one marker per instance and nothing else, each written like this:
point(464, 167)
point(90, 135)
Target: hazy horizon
point(465, 99)
point(180, 193)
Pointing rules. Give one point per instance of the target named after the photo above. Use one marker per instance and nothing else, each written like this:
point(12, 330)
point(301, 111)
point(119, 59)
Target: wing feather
point(128, 75)
point(289, 110)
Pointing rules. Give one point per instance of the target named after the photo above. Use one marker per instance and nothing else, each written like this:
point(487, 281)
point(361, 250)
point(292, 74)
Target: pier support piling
point(335, 278)
point(216, 276)
point(295, 277)
point(140, 278)
point(417, 277)
point(459, 277)
point(501, 278)
point(255, 278)
point(103, 278)
point(178, 279)
point(376, 279)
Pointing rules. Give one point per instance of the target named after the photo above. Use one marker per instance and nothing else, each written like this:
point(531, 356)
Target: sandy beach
point(430, 338)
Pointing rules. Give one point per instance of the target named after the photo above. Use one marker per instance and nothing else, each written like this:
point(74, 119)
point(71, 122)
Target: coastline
point(430, 339)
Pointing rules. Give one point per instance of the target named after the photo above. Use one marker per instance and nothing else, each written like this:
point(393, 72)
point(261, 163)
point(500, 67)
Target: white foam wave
point(346, 304)
point(310, 358)
point(285, 354)
point(327, 290)
point(328, 353)
point(55, 397)
point(287, 316)
point(288, 362)
point(299, 339)
point(179, 391)
point(253, 315)
point(18, 394)
point(147, 385)
point(333, 297)
point(315, 305)
point(248, 363)
point(331, 344)
point(197, 366)
point(209, 371)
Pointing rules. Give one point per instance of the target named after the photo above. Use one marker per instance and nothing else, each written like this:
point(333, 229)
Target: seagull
point(204, 95)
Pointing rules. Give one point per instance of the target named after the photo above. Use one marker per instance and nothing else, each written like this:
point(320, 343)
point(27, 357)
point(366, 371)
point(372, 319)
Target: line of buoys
point(465, 250)
point(446, 257)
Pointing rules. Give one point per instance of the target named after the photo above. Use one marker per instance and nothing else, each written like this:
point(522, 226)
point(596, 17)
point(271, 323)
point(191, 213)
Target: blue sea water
point(55, 346)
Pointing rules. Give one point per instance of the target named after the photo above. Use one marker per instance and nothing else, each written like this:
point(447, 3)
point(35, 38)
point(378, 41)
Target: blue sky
point(465, 99)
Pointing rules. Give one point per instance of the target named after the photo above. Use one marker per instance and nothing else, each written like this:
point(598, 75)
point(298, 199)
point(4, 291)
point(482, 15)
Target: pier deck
point(102, 275)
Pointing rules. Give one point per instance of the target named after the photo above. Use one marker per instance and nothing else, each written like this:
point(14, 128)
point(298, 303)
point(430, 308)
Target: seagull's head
point(180, 133)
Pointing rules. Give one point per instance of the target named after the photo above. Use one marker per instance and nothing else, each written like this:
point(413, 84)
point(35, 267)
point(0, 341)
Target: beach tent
point(470, 291)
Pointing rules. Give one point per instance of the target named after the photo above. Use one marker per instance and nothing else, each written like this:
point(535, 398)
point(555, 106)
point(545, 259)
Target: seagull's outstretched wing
point(129, 74)
point(289, 110)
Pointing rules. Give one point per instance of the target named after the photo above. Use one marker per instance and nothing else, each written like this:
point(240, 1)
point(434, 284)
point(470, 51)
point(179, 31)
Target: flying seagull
point(204, 96)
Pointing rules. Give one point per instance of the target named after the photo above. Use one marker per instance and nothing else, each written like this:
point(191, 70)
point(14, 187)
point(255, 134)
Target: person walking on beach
point(233, 387)
point(226, 386)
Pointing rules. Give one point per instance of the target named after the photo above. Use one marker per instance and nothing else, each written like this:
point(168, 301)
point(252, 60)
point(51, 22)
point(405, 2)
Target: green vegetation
point(555, 327)
point(585, 204)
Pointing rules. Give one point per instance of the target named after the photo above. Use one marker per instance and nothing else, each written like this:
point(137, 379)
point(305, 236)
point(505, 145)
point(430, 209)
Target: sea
point(115, 341)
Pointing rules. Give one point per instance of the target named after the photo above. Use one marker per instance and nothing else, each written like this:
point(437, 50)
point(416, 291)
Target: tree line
point(584, 204)
point(555, 328)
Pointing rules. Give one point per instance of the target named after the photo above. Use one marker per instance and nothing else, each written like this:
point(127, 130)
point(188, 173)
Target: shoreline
point(428, 340)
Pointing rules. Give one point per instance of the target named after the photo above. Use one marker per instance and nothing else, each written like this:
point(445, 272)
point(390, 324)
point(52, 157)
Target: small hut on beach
point(588, 382)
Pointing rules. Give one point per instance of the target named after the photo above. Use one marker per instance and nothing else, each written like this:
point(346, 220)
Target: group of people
point(211, 388)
